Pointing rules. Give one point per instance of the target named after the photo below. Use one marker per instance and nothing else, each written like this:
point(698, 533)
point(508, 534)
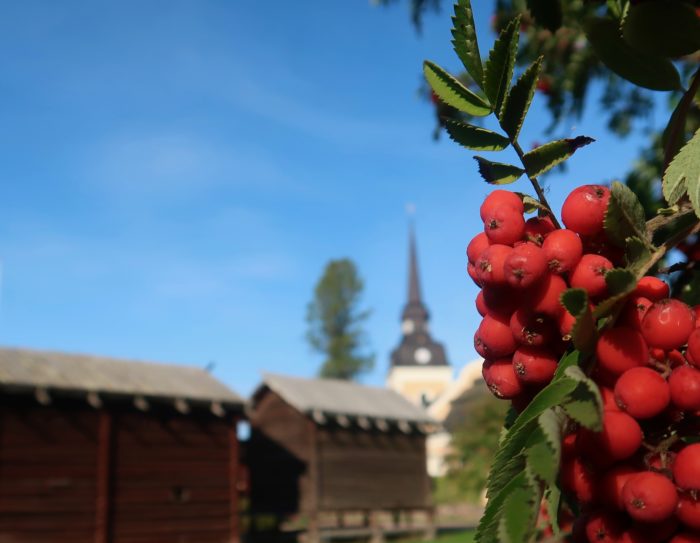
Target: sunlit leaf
point(453, 93)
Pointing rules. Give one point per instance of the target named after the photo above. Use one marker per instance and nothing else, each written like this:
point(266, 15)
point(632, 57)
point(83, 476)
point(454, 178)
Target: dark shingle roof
point(61, 372)
point(337, 397)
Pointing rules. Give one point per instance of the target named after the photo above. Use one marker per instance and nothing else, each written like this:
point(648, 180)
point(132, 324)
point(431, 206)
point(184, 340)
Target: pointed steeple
point(417, 348)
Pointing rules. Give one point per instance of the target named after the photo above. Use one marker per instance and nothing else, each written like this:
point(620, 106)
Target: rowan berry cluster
point(638, 480)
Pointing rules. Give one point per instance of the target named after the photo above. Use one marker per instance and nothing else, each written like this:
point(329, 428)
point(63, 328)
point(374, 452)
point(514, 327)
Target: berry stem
point(536, 185)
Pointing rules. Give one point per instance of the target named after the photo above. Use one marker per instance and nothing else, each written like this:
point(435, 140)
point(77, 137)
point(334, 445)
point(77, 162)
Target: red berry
point(538, 228)
point(476, 246)
point(668, 324)
point(525, 266)
point(578, 479)
point(652, 288)
point(489, 265)
point(584, 209)
point(546, 298)
point(480, 304)
point(498, 198)
point(620, 349)
point(609, 401)
point(504, 225)
point(471, 270)
point(500, 378)
point(493, 338)
point(562, 250)
point(684, 384)
point(531, 328)
point(649, 497)
point(686, 537)
point(603, 527)
point(686, 469)
point(534, 365)
point(589, 274)
point(693, 350)
point(642, 393)
point(635, 310)
point(609, 488)
point(620, 438)
point(500, 299)
point(688, 511)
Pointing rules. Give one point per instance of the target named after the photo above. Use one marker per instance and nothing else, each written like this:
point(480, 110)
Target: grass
point(454, 537)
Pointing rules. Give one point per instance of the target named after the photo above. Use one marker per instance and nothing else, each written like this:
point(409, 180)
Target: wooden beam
point(42, 396)
point(233, 473)
point(141, 403)
point(94, 400)
point(104, 476)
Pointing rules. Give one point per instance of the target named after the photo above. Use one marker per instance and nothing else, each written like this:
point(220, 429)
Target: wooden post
point(234, 513)
point(430, 526)
point(313, 532)
point(104, 476)
point(376, 530)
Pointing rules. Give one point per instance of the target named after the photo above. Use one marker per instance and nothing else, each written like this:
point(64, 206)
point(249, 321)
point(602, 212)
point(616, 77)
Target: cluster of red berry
point(636, 481)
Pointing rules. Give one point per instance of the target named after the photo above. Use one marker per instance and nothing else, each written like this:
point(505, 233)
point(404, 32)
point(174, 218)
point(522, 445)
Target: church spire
point(414, 309)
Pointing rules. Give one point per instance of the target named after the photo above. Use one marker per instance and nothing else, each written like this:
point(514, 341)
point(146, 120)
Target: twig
point(660, 221)
point(680, 266)
point(670, 243)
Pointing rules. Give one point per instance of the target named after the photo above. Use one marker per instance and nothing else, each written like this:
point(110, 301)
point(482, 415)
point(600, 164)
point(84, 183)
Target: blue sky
point(175, 175)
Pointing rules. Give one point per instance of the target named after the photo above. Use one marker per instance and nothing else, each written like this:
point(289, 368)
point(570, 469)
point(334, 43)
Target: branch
point(680, 266)
point(669, 244)
point(660, 221)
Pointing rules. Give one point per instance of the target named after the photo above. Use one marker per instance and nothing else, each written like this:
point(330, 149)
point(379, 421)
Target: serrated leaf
point(584, 404)
point(648, 71)
point(531, 204)
point(519, 514)
point(487, 530)
point(553, 498)
point(497, 173)
point(499, 66)
point(684, 173)
point(624, 216)
point(543, 449)
point(519, 99)
point(474, 137)
point(637, 253)
point(453, 93)
point(545, 157)
point(567, 361)
point(464, 40)
point(583, 333)
point(547, 13)
point(620, 282)
point(662, 27)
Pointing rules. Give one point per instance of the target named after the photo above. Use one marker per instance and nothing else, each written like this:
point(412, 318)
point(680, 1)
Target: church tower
point(419, 369)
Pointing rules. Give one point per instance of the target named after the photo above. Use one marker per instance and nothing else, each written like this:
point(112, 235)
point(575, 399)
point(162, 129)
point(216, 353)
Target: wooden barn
point(96, 450)
point(322, 447)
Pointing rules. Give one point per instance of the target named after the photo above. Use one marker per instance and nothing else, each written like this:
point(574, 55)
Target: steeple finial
point(414, 296)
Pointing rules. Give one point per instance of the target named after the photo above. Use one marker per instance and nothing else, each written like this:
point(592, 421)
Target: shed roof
point(338, 397)
point(62, 372)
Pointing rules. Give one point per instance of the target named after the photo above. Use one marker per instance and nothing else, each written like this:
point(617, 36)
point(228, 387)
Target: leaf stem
point(536, 185)
point(678, 119)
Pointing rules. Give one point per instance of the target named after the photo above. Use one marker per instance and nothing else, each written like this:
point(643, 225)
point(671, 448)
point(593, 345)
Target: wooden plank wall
point(47, 475)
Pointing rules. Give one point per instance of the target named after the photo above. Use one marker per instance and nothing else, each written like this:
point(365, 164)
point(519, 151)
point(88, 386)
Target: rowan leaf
point(624, 216)
point(475, 137)
point(519, 514)
point(531, 204)
point(583, 333)
point(519, 99)
point(553, 498)
point(645, 70)
point(568, 360)
point(547, 13)
point(683, 173)
point(545, 157)
point(453, 93)
point(637, 253)
point(544, 447)
point(663, 27)
point(487, 530)
point(497, 173)
point(498, 72)
point(620, 282)
point(464, 41)
point(584, 404)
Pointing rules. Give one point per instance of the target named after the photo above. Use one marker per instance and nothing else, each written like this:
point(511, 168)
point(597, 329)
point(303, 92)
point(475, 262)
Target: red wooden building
point(96, 450)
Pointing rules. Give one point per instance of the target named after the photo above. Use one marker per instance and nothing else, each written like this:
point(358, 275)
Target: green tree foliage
point(335, 321)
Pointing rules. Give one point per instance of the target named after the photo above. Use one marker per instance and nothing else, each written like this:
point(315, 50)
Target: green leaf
point(474, 137)
point(487, 531)
point(544, 447)
point(519, 99)
point(545, 157)
point(625, 215)
point(553, 499)
point(499, 66)
point(648, 71)
point(621, 282)
point(531, 204)
point(583, 333)
point(519, 514)
point(452, 92)
point(584, 404)
point(464, 40)
point(497, 173)
point(637, 253)
point(547, 13)
point(662, 27)
point(684, 173)
point(567, 361)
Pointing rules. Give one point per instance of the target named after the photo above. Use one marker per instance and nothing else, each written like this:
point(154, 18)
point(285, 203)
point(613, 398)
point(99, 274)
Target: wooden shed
point(323, 446)
point(96, 450)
